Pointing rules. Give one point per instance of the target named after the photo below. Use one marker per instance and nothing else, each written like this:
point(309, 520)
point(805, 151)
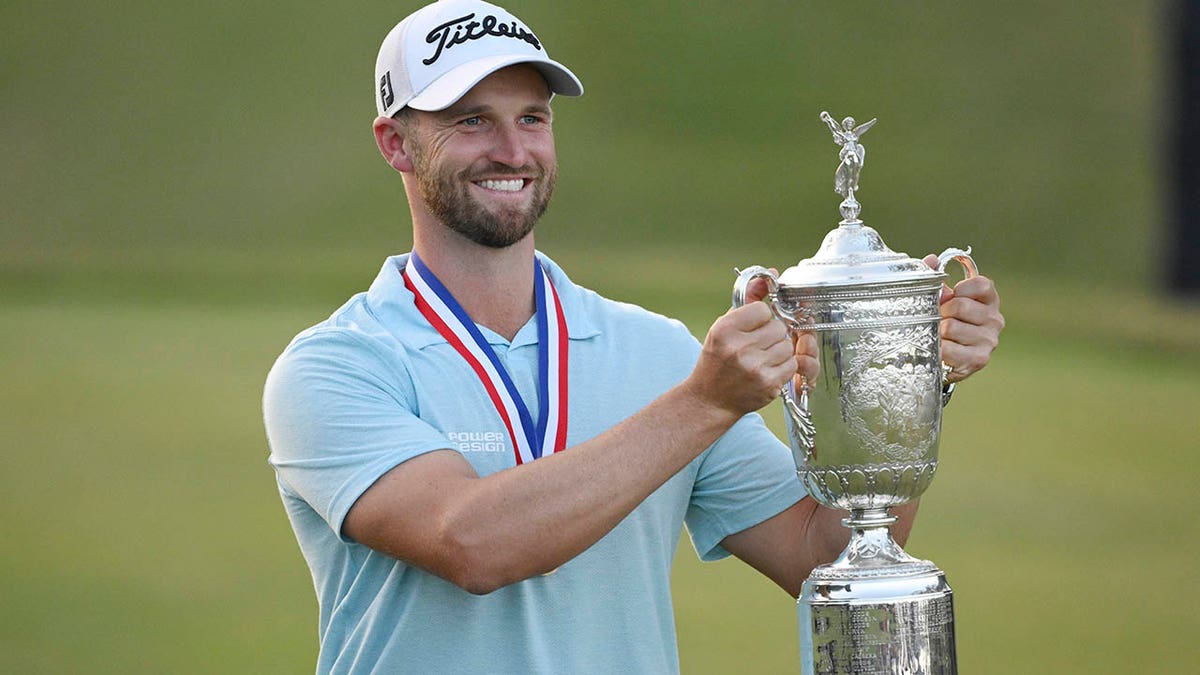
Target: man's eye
point(472, 122)
point(531, 119)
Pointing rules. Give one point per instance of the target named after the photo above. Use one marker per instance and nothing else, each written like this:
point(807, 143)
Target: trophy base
point(878, 624)
point(876, 609)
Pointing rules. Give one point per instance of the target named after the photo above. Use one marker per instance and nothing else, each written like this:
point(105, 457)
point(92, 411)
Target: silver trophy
point(864, 434)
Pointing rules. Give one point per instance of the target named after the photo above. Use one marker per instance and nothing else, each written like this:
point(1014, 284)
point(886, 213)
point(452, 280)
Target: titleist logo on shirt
point(465, 28)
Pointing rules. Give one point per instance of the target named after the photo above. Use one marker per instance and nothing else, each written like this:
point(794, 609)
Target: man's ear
point(389, 136)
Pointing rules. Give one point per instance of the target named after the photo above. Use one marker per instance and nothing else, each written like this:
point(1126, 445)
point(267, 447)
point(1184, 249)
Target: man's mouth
point(505, 185)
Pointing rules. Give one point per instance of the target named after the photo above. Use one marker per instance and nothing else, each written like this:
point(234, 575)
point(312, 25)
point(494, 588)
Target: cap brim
point(444, 91)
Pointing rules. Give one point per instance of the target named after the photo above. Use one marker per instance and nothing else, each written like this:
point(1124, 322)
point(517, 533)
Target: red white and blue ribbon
point(530, 441)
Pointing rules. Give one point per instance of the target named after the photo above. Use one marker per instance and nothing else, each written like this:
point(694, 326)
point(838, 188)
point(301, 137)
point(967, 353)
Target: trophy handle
point(743, 283)
point(802, 430)
point(963, 258)
point(796, 407)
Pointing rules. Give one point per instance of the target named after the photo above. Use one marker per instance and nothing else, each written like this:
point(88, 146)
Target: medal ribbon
point(451, 321)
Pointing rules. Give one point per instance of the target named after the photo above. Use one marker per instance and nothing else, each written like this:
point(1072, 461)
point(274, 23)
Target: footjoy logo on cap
point(386, 93)
point(463, 29)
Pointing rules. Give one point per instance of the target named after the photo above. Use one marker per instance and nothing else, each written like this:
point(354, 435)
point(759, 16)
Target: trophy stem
point(865, 519)
point(871, 550)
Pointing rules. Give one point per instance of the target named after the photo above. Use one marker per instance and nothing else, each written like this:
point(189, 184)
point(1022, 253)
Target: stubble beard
point(447, 196)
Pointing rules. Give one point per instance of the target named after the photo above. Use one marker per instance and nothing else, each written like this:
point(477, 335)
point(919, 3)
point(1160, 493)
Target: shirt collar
point(393, 304)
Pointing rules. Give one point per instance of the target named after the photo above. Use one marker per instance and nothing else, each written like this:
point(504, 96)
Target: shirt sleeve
point(340, 413)
point(746, 477)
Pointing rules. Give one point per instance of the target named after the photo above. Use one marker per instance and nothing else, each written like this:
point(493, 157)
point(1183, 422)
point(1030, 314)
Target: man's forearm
point(528, 520)
point(787, 547)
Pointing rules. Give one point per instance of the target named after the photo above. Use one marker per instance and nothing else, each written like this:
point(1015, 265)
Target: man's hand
point(746, 358)
point(804, 343)
point(971, 323)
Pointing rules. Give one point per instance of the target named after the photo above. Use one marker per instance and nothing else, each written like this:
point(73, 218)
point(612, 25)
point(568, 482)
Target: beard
point(447, 196)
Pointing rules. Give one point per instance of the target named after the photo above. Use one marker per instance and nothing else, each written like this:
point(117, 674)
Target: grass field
point(144, 533)
point(187, 186)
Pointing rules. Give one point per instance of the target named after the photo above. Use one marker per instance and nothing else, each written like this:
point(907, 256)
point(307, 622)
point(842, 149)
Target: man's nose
point(508, 146)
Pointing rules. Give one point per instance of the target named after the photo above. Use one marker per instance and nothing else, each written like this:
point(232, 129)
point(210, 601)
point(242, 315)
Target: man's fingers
point(968, 310)
point(746, 358)
point(967, 334)
point(807, 358)
point(971, 323)
point(758, 288)
point(978, 288)
point(753, 332)
point(809, 367)
point(750, 317)
point(964, 360)
point(778, 353)
point(758, 324)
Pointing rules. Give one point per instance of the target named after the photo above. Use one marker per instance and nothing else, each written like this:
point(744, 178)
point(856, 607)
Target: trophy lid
point(854, 254)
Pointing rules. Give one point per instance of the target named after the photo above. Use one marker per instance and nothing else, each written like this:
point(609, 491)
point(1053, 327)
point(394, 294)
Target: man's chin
point(507, 239)
point(497, 235)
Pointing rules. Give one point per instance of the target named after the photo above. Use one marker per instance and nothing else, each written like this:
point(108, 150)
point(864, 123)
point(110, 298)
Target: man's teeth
point(503, 185)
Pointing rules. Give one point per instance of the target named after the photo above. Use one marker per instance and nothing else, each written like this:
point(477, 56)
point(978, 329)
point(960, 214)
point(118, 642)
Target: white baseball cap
point(436, 54)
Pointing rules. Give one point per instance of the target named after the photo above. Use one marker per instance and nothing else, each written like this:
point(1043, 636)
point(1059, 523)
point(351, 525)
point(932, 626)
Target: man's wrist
point(704, 409)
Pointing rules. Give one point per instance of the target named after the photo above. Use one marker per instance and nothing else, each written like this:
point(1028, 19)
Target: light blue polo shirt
point(375, 385)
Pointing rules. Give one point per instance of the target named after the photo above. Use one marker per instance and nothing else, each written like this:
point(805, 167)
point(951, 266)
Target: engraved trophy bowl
point(863, 430)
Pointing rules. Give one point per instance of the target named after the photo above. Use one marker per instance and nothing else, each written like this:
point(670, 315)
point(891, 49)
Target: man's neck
point(493, 286)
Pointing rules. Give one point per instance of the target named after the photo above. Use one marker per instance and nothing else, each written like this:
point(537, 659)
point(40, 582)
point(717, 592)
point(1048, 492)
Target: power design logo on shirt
point(477, 441)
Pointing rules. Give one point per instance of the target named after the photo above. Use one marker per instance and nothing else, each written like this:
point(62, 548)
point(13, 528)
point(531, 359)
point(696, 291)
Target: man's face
point(486, 166)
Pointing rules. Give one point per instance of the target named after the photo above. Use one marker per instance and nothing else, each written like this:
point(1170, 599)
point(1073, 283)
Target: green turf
point(186, 186)
point(144, 533)
point(1029, 131)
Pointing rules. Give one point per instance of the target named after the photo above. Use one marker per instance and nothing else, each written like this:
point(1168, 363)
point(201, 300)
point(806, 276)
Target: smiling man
point(487, 467)
point(486, 182)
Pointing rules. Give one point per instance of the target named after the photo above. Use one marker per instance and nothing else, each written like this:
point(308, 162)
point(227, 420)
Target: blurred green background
point(187, 185)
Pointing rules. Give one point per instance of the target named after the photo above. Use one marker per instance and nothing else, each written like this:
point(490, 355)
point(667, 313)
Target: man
point(488, 467)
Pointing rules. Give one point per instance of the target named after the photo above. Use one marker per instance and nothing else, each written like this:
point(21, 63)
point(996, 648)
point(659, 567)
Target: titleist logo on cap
point(460, 30)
